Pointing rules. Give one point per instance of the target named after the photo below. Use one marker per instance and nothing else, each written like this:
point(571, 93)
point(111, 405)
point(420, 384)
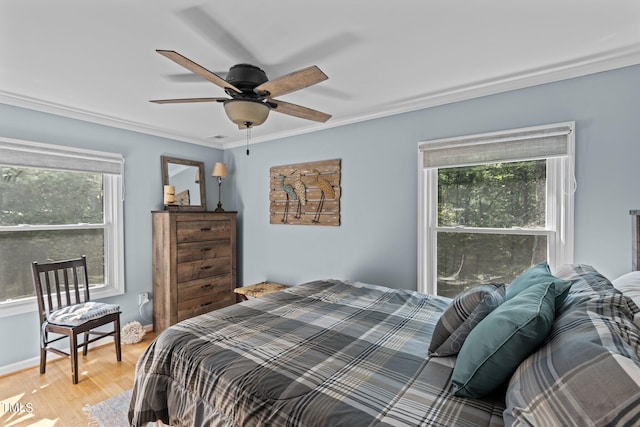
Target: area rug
point(111, 412)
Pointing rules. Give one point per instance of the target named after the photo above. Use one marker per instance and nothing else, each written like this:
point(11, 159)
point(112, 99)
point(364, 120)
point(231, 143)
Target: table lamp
point(219, 171)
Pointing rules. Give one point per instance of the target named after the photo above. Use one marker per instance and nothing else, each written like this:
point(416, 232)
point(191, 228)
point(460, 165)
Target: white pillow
point(629, 285)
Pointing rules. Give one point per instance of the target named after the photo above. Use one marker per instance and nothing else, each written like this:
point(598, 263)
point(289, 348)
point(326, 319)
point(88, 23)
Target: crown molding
point(591, 64)
point(577, 67)
point(17, 100)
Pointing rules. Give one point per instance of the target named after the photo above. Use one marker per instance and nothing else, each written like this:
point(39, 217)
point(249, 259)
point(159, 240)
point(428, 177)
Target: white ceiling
point(96, 60)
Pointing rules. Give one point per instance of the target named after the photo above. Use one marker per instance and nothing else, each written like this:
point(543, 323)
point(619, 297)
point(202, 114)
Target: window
point(58, 203)
point(492, 205)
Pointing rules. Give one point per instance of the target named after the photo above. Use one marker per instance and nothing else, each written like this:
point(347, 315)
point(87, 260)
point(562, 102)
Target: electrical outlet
point(143, 298)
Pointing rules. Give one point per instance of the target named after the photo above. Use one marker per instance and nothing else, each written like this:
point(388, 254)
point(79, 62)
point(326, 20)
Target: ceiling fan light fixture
point(246, 113)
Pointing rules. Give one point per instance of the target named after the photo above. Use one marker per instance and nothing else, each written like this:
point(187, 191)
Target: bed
point(331, 353)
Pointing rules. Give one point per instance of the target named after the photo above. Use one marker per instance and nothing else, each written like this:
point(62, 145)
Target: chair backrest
point(60, 284)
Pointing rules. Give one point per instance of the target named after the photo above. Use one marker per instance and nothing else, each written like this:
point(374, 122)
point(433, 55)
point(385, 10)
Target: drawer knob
point(207, 286)
point(205, 267)
point(206, 304)
point(205, 229)
point(205, 249)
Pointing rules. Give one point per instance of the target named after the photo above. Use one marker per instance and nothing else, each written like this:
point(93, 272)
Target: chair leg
point(73, 352)
point(85, 348)
point(43, 352)
point(116, 338)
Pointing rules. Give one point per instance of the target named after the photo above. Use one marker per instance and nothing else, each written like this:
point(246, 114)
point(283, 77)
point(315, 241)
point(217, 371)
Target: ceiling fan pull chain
point(248, 135)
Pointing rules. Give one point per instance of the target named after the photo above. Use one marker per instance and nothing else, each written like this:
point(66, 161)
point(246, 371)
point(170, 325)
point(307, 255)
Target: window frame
point(560, 189)
point(19, 153)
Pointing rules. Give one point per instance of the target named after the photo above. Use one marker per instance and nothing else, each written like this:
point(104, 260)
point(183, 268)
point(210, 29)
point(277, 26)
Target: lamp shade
point(220, 169)
point(246, 113)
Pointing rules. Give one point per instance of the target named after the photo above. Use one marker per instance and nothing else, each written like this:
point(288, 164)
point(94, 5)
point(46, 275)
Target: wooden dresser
point(194, 264)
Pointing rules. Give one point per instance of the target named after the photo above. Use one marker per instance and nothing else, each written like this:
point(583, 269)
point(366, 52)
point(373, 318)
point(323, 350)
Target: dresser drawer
point(194, 231)
point(203, 268)
point(197, 251)
point(205, 304)
point(202, 287)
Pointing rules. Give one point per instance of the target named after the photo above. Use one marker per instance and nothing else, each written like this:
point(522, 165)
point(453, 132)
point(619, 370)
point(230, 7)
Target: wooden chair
point(62, 290)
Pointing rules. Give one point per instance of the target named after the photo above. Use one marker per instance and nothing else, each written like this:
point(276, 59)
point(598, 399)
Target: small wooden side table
point(258, 290)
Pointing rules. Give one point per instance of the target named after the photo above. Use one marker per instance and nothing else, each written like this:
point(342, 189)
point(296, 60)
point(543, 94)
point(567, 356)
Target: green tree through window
point(48, 215)
point(500, 195)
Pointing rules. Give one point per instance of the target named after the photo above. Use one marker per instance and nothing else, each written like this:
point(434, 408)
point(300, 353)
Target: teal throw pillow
point(538, 275)
point(502, 340)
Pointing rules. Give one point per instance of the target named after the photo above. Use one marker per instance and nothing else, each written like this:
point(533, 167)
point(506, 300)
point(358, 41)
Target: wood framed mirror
point(188, 178)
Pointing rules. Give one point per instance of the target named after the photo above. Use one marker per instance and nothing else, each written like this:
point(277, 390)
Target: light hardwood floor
point(52, 400)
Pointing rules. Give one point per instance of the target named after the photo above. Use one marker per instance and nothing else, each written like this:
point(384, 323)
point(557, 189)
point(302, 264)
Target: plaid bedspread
point(588, 371)
point(326, 353)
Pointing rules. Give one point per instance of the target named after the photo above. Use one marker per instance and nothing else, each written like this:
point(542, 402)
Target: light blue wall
point(143, 193)
point(376, 241)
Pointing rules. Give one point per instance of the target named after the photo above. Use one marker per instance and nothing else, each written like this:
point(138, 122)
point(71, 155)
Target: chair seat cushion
point(77, 314)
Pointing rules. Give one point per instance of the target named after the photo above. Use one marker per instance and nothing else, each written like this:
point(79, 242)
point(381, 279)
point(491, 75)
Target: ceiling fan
point(251, 93)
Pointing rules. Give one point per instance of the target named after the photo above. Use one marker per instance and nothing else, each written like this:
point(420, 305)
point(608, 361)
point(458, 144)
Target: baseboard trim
point(33, 362)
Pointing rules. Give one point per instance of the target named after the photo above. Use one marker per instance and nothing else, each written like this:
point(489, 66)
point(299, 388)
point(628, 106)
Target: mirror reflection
point(182, 178)
point(187, 176)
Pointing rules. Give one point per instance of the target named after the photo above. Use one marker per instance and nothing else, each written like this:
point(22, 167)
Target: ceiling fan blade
point(299, 111)
point(291, 82)
point(314, 52)
point(190, 77)
point(186, 100)
point(198, 69)
point(203, 23)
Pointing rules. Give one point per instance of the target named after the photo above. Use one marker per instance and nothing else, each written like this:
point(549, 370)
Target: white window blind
point(33, 154)
point(530, 143)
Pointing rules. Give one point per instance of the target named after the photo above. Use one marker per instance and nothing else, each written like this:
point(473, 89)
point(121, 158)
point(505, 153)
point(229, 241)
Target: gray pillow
point(462, 315)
